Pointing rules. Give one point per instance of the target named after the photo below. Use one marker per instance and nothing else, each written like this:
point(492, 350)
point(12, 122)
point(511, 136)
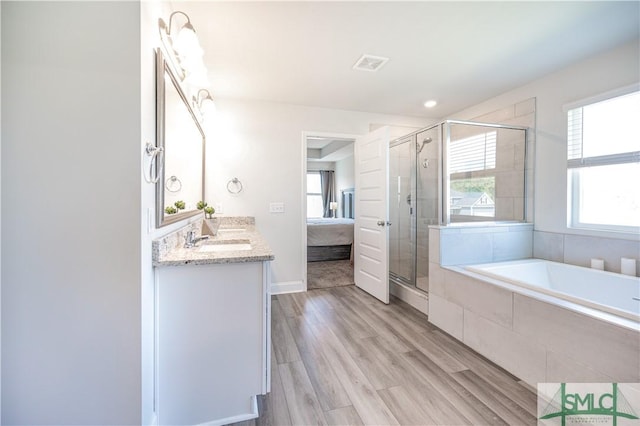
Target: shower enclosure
point(414, 173)
point(479, 168)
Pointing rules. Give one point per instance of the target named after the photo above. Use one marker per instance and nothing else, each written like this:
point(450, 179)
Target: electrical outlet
point(218, 208)
point(276, 208)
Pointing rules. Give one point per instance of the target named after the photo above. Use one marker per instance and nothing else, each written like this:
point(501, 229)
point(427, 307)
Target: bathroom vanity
point(212, 324)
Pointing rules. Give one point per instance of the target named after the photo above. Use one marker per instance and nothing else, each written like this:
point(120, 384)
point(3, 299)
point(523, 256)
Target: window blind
point(575, 148)
point(473, 153)
point(574, 133)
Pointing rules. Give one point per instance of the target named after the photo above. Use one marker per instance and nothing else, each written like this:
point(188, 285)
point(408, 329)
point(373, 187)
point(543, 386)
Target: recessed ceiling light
point(370, 63)
point(430, 104)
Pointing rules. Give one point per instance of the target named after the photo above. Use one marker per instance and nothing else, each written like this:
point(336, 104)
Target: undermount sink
point(225, 245)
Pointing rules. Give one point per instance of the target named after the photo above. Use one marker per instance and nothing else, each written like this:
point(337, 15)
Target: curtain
point(328, 191)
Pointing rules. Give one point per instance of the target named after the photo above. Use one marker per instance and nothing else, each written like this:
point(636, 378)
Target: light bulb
point(192, 63)
point(208, 108)
point(197, 77)
point(186, 42)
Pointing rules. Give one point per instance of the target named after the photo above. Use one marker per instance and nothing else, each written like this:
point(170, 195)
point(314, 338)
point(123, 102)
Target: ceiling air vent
point(370, 63)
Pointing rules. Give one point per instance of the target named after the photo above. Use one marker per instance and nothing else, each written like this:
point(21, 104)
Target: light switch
point(276, 208)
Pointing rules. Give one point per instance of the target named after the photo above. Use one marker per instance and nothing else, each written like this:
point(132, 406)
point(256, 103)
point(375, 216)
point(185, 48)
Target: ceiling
point(328, 149)
point(458, 53)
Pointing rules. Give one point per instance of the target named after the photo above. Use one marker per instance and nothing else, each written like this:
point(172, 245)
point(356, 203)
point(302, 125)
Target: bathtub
point(605, 291)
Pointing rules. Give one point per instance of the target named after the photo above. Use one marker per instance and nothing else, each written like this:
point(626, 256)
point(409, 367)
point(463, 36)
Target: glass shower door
point(401, 210)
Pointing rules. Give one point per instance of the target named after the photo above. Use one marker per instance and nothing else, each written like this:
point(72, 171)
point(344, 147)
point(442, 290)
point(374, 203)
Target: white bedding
point(329, 232)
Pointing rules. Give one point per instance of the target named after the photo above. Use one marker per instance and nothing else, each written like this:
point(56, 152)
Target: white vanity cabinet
point(213, 341)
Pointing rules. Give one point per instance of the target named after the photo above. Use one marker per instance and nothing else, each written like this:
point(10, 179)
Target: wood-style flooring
point(340, 357)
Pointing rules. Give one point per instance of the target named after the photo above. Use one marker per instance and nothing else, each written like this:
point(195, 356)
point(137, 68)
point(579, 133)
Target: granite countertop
point(170, 251)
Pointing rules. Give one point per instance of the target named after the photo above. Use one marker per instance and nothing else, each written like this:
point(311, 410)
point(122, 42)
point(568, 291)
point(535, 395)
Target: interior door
point(371, 267)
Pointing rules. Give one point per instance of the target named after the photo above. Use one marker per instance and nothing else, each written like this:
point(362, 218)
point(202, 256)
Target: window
point(472, 163)
point(603, 163)
point(314, 195)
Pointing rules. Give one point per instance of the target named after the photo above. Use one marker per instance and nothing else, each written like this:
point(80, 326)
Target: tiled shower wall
point(580, 249)
point(509, 171)
point(519, 114)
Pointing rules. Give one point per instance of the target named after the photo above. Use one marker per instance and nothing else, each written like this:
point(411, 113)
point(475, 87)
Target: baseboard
point(287, 287)
point(254, 414)
point(413, 297)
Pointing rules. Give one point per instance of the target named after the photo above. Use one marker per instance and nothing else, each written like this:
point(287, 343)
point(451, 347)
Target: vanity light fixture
point(203, 102)
point(196, 77)
point(185, 42)
point(184, 48)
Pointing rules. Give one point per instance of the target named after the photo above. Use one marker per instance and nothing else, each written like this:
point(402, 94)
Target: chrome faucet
point(190, 240)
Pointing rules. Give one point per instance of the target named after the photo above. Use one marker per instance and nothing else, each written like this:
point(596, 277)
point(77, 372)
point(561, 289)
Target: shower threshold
point(397, 279)
point(408, 293)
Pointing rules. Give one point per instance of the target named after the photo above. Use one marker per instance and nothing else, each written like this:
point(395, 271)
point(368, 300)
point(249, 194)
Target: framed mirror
point(181, 173)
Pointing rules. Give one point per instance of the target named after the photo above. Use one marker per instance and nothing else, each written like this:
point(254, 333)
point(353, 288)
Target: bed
point(329, 239)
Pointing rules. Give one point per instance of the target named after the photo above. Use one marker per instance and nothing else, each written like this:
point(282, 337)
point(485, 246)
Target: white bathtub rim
point(553, 300)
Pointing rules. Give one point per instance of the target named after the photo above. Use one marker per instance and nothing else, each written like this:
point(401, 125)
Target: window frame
point(574, 165)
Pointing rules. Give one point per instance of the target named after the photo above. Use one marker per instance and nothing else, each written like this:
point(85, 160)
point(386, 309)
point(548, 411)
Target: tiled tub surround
point(580, 249)
point(468, 243)
point(537, 337)
point(169, 250)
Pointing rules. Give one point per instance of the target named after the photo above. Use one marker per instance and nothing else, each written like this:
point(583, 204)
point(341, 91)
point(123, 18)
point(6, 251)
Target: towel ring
point(157, 161)
point(234, 183)
point(171, 183)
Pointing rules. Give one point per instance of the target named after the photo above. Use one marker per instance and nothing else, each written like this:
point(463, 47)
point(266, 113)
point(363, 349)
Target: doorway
point(328, 181)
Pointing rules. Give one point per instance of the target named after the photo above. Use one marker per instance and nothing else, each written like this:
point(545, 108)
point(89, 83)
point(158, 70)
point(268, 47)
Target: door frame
point(305, 135)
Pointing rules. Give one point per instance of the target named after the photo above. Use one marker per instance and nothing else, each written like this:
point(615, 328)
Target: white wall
point(261, 144)
point(0, 222)
point(149, 41)
point(610, 70)
point(71, 300)
point(345, 178)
